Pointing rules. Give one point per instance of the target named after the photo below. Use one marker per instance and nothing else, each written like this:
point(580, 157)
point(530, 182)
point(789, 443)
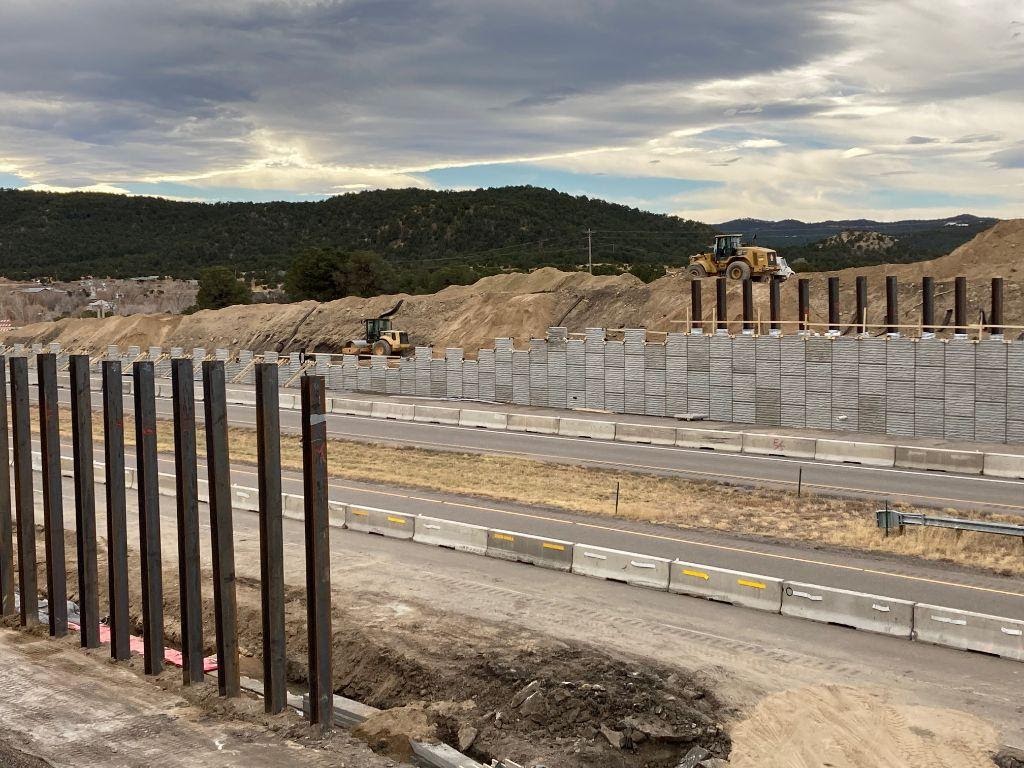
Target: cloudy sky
point(707, 109)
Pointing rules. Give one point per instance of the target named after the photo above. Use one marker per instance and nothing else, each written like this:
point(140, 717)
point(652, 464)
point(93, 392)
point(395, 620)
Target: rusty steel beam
point(928, 304)
point(187, 492)
point(996, 320)
point(960, 306)
point(218, 472)
point(24, 494)
point(53, 494)
point(721, 304)
point(833, 304)
point(149, 516)
point(6, 531)
point(696, 306)
point(747, 289)
point(268, 448)
point(860, 322)
point(892, 304)
point(117, 528)
point(775, 304)
point(318, 551)
point(803, 290)
point(85, 501)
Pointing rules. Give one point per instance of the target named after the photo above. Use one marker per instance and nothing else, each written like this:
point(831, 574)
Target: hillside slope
point(68, 235)
point(524, 305)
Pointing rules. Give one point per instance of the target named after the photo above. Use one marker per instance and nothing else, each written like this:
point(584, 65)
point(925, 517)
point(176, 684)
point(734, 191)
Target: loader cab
point(727, 246)
point(375, 327)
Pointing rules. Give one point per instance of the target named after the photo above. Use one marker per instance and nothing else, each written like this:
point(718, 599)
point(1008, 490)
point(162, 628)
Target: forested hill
point(69, 235)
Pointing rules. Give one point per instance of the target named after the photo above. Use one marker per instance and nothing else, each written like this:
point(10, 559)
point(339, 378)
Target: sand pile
point(524, 305)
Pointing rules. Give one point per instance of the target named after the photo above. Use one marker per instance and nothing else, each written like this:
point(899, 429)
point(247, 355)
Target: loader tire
point(738, 270)
point(696, 272)
point(382, 347)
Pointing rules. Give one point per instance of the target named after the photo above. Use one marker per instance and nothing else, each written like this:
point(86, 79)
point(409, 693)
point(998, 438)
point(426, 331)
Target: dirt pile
point(522, 306)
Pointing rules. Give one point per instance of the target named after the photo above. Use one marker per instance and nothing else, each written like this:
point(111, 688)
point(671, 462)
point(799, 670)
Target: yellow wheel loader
point(738, 262)
point(380, 338)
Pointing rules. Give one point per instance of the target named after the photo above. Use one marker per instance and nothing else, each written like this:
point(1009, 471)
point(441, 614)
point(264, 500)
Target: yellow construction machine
point(738, 262)
point(380, 338)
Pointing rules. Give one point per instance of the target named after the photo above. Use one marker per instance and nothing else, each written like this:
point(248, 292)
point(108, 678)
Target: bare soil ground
point(522, 306)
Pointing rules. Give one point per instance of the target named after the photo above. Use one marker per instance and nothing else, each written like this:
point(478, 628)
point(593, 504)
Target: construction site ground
point(421, 627)
point(62, 706)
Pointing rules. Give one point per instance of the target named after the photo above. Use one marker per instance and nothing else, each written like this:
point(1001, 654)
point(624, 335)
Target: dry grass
point(669, 501)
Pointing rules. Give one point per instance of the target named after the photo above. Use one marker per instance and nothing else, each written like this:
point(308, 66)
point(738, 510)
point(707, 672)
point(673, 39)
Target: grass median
point(686, 504)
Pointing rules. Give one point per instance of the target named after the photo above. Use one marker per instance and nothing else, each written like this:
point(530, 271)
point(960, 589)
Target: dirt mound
point(523, 306)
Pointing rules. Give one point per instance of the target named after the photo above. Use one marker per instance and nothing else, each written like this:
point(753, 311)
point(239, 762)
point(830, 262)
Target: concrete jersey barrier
point(385, 522)
point(1004, 465)
point(536, 550)
point(969, 631)
point(598, 430)
point(616, 565)
point(463, 537)
point(350, 407)
point(645, 433)
point(750, 590)
point(940, 459)
point(397, 411)
point(709, 439)
point(538, 425)
point(433, 414)
point(789, 446)
point(868, 454)
point(483, 419)
point(872, 613)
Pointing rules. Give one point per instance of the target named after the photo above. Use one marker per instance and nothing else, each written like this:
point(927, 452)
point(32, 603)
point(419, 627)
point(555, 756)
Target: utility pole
point(590, 251)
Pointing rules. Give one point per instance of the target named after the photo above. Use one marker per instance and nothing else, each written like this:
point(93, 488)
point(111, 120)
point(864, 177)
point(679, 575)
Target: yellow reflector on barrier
point(360, 512)
point(396, 520)
point(747, 583)
point(556, 547)
point(503, 537)
point(696, 574)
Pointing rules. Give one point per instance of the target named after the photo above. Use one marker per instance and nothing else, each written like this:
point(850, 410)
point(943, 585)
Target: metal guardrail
point(891, 519)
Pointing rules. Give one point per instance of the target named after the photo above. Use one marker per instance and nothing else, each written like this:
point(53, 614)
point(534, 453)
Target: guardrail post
point(892, 305)
point(268, 448)
point(927, 306)
point(24, 495)
point(721, 306)
point(117, 530)
point(960, 307)
point(218, 470)
point(149, 516)
point(53, 495)
point(6, 531)
point(187, 491)
point(861, 321)
point(803, 290)
point(747, 288)
point(318, 552)
point(995, 327)
point(696, 307)
point(85, 501)
point(833, 305)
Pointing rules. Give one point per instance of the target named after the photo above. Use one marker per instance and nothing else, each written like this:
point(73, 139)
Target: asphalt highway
point(915, 487)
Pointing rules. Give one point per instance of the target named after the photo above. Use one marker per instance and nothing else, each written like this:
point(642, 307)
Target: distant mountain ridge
point(792, 232)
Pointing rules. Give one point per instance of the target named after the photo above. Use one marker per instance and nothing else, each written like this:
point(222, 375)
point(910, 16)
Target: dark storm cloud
point(388, 81)
point(921, 140)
